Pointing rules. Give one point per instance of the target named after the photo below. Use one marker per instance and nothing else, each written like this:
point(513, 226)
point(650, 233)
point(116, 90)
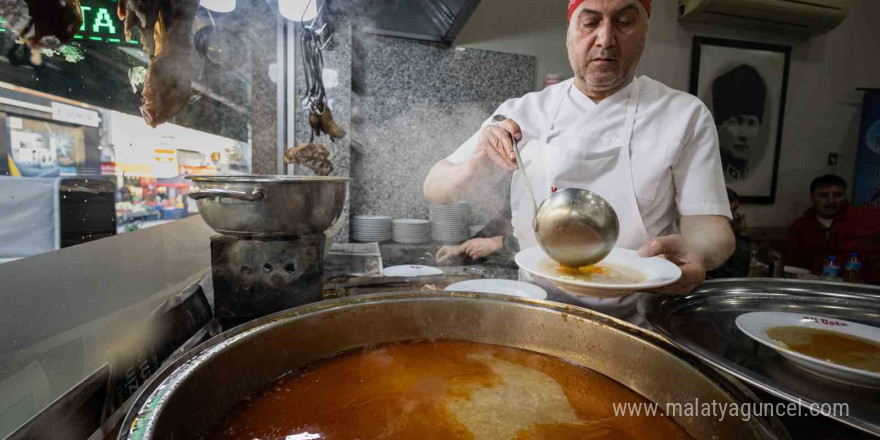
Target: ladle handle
point(522, 169)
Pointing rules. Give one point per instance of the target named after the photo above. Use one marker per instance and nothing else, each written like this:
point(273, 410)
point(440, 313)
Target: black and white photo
point(744, 85)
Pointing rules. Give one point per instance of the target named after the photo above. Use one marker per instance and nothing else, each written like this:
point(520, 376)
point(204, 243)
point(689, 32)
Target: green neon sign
point(100, 25)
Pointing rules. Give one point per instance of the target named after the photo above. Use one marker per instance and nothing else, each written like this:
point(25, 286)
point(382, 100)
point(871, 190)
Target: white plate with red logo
point(755, 325)
point(411, 270)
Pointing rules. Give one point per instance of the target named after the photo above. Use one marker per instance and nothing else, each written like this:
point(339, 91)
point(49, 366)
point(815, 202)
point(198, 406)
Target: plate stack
point(473, 230)
point(370, 228)
point(449, 223)
point(411, 231)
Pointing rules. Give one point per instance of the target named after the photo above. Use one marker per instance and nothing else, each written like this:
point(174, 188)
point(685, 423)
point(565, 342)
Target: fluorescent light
point(293, 9)
point(219, 5)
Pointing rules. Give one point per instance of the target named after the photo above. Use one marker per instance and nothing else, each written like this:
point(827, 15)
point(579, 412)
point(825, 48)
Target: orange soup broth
point(444, 390)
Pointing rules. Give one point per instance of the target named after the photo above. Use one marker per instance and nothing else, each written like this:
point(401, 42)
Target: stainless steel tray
point(702, 323)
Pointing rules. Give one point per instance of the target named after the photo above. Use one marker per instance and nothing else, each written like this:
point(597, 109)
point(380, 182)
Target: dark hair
point(741, 91)
point(826, 181)
point(732, 196)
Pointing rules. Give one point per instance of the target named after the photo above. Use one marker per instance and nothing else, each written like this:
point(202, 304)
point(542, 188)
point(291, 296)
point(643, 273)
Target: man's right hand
point(495, 148)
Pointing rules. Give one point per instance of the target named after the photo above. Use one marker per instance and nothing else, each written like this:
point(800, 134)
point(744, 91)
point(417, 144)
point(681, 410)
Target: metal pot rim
point(266, 179)
point(137, 413)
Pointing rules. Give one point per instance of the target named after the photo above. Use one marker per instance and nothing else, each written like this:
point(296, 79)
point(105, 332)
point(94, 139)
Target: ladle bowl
point(576, 227)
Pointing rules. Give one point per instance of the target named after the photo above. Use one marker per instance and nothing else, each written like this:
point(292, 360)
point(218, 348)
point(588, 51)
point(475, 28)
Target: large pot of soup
point(439, 365)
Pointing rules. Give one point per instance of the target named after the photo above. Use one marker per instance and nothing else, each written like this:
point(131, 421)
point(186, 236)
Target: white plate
point(411, 271)
point(657, 271)
point(756, 324)
point(458, 207)
point(502, 287)
point(796, 270)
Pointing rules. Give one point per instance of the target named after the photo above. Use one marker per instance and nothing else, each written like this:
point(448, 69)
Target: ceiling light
point(298, 10)
point(219, 5)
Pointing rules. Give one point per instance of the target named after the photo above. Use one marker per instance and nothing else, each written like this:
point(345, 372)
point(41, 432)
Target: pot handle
point(255, 196)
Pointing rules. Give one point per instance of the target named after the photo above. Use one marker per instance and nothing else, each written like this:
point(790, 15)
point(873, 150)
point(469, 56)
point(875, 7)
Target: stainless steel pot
point(192, 394)
point(269, 206)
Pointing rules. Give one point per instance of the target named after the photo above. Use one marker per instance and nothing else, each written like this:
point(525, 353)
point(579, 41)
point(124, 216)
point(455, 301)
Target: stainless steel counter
point(63, 311)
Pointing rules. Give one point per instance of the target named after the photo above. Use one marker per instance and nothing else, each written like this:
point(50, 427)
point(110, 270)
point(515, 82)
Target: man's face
point(737, 135)
point(828, 200)
point(605, 41)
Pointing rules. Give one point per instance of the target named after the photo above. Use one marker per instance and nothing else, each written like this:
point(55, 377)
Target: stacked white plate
point(473, 230)
point(449, 223)
point(407, 230)
point(370, 228)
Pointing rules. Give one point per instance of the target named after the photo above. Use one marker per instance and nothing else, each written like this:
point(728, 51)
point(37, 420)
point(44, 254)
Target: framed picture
point(744, 85)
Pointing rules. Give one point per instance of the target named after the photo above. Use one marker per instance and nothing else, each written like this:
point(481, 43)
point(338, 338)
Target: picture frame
point(744, 84)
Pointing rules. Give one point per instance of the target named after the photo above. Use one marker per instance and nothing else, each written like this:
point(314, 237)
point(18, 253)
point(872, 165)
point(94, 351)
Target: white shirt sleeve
point(698, 177)
point(463, 153)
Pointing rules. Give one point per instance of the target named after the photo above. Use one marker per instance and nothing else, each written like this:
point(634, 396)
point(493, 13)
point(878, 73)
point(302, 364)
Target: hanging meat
point(314, 41)
point(315, 157)
point(165, 27)
point(42, 24)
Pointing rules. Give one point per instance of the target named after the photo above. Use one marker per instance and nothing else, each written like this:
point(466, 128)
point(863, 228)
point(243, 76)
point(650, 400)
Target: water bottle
point(852, 271)
point(831, 270)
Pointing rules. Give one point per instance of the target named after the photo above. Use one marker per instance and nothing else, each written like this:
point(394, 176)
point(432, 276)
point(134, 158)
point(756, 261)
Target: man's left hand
point(675, 249)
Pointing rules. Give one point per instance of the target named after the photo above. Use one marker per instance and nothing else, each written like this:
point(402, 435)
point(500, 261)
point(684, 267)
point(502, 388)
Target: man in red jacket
point(834, 227)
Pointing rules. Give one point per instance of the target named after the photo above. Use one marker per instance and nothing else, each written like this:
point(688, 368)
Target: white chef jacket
point(675, 156)
point(674, 159)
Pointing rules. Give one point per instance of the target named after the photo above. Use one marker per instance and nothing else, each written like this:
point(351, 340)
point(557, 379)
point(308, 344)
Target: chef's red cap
point(573, 4)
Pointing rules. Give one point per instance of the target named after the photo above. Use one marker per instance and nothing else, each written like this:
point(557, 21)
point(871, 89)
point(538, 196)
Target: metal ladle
point(575, 227)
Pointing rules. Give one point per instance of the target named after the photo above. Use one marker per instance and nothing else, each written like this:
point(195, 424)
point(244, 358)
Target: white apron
point(582, 162)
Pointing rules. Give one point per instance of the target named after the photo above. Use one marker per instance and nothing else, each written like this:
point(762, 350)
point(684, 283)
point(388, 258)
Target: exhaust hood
point(437, 21)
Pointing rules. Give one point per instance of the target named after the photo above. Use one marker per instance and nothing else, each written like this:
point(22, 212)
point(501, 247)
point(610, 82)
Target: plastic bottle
point(852, 271)
point(831, 270)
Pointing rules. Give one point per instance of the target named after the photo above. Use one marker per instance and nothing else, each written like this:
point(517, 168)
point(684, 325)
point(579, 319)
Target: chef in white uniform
point(651, 151)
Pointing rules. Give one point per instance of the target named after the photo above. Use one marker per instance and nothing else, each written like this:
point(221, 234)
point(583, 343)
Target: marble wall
point(264, 93)
point(414, 104)
point(405, 106)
